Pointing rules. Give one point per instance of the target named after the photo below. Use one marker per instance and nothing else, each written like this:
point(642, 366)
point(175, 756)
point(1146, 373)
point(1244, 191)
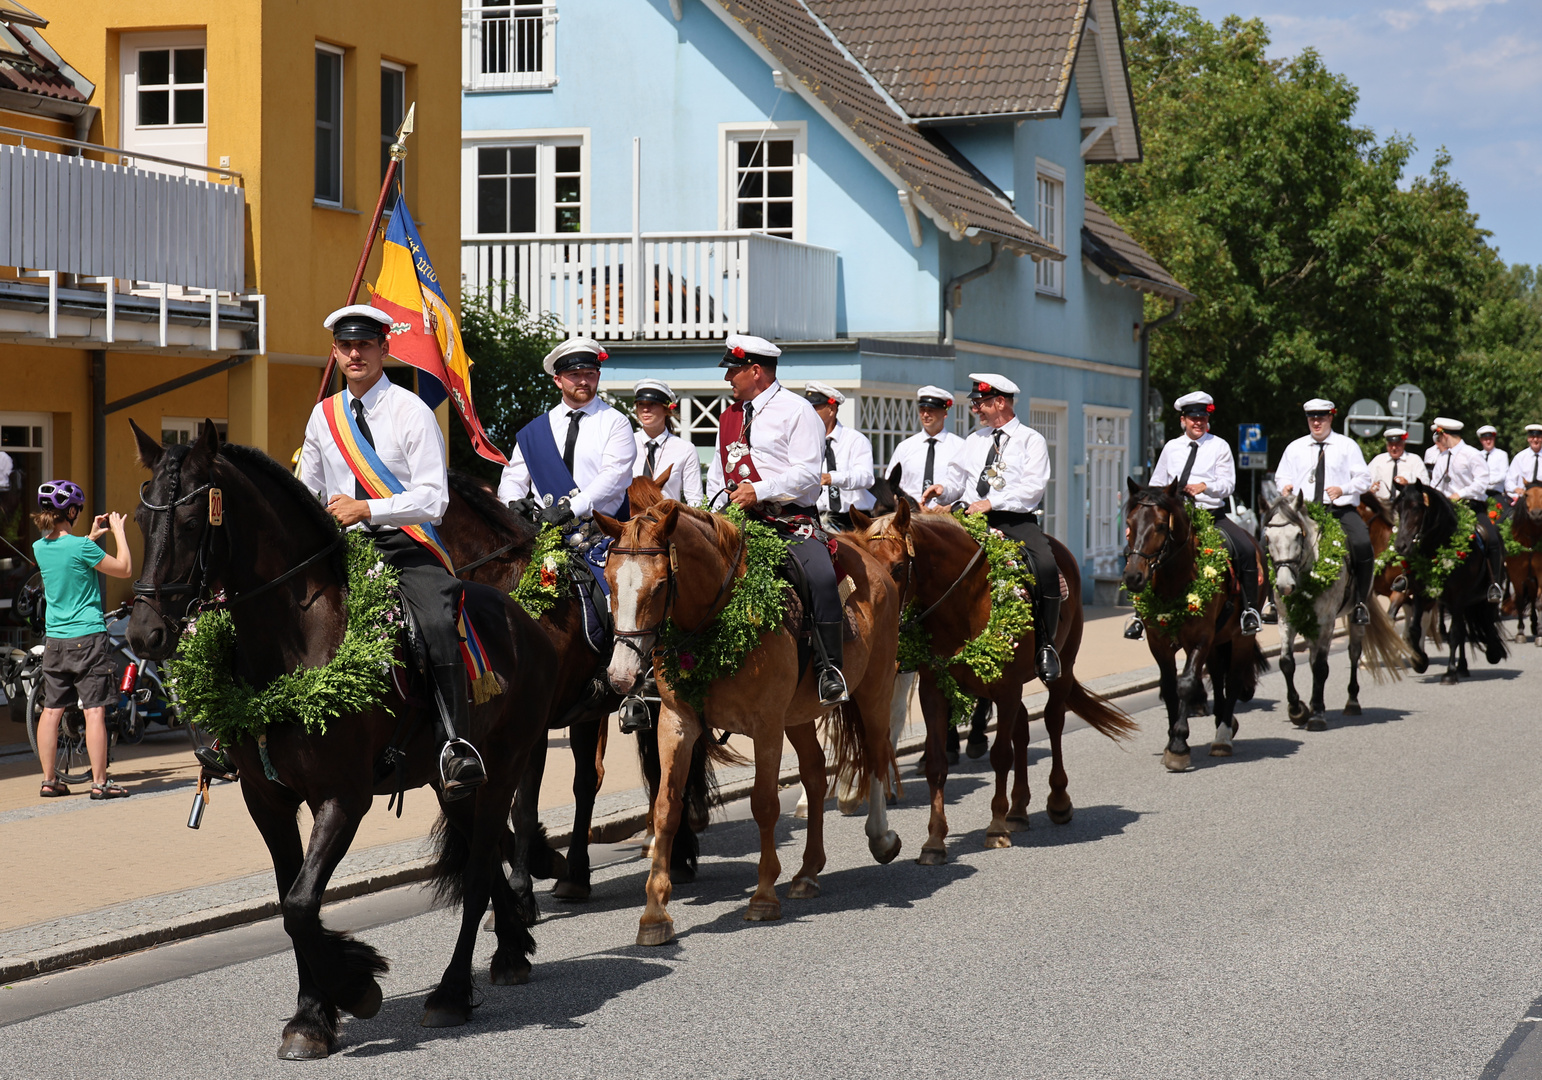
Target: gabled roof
point(29, 65)
point(1112, 254)
point(789, 37)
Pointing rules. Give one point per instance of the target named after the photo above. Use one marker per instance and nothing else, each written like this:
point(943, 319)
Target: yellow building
point(115, 282)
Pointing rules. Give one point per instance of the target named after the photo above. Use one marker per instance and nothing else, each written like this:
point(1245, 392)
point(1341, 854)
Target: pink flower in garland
point(687, 661)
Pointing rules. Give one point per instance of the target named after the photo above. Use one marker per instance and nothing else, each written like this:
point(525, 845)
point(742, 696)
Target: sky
point(1464, 74)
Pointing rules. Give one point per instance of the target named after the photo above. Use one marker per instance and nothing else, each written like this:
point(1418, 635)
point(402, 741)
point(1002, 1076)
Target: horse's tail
point(447, 873)
point(1250, 670)
point(848, 742)
point(1102, 714)
point(1483, 626)
point(1386, 652)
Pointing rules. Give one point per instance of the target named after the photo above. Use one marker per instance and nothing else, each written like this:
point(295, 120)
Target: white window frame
point(546, 140)
point(191, 427)
point(474, 19)
point(184, 142)
point(1049, 274)
point(386, 139)
point(729, 136)
point(1108, 463)
point(1054, 505)
point(887, 420)
point(342, 128)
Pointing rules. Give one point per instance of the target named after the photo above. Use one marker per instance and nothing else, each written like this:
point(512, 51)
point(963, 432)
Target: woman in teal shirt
point(76, 648)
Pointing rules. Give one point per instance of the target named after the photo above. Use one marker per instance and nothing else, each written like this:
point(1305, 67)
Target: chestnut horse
point(1164, 551)
point(1525, 569)
point(672, 563)
point(274, 562)
point(941, 572)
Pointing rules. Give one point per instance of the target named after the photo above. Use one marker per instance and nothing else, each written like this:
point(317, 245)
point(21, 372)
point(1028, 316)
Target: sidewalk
point(88, 880)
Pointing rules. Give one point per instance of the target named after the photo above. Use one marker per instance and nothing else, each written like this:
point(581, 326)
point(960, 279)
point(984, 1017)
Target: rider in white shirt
point(1202, 465)
point(1461, 473)
point(660, 448)
point(1498, 460)
point(1328, 468)
point(1526, 466)
point(847, 479)
point(924, 457)
point(1002, 472)
point(1395, 467)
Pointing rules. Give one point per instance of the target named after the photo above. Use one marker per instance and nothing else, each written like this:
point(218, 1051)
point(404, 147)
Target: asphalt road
point(1360, 902)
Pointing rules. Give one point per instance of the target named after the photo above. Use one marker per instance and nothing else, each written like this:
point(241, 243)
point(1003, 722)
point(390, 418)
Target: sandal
point(109, 790)
point(53, 789)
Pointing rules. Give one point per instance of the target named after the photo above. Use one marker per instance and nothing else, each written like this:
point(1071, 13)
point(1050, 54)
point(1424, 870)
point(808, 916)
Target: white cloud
point(1440, 7)
point(1401, 19)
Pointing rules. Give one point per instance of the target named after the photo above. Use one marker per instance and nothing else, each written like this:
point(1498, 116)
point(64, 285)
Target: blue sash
point(549, 475)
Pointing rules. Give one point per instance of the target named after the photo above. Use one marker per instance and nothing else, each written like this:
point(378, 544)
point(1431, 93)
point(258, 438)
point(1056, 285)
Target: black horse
point(276, 558)
point(1426, 520)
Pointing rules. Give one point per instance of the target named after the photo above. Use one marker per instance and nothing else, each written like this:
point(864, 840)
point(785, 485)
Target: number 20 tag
point(216, 506)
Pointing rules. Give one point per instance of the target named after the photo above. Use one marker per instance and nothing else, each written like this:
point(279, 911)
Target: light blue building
point(892, 190)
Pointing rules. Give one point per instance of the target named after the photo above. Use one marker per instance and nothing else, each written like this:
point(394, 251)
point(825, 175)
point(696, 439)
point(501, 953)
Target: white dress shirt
point(6, 466)
point(853, 472)
point(1461, 472)
point(1431, 452)
point(408, 440)
point(1024, 464)
point(1409, 468)
point(1345, 468)
point(1498, 467)
point(1213, 466)
point(602, 460)
point(1526, 465)
point(787, 445)
point(910, 455)
point(677, 455)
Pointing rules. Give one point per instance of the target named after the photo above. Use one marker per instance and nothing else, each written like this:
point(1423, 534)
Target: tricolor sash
point(378, 480)
point(730, 429)
point(549, 475)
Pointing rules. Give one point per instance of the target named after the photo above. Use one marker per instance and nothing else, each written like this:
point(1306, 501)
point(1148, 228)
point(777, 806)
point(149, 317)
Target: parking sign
point(1251, 439)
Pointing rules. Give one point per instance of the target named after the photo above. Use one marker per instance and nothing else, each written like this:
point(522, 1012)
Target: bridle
point(629, 637)
point(909, 584)
point(1163, 553)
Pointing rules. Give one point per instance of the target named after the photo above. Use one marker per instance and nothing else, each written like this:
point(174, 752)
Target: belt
point(1012, 517)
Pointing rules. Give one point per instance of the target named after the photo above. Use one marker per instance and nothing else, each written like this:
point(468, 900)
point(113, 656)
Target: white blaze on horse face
point(1284, 542)
point(626, 664)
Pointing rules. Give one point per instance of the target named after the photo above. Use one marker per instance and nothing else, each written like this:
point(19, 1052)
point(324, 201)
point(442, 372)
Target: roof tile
point(1117, 254)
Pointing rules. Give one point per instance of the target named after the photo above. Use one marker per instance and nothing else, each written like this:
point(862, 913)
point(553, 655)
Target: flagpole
point(398, 152)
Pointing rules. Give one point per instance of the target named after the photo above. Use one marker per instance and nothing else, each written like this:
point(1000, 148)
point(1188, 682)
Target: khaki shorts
point(77, 666)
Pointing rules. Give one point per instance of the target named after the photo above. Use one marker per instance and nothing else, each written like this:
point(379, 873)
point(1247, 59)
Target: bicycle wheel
point(162, 698)
point(72, 763)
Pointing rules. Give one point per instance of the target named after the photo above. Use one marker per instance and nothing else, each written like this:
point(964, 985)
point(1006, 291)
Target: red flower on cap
point(603, 355)
point(829, 401)
point(984, 386)
point(1210, 407)
point(738, 351)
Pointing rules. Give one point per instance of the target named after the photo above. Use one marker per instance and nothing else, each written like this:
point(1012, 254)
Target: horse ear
point(1174, 490)
point(860, 520)
point(895, 474)
point(1300, 499)
point(1134, 487)
point(644, 492)
point(663, 478)
point(608, 525)
point(150, 450)
point(668, 522)
point(902, 517)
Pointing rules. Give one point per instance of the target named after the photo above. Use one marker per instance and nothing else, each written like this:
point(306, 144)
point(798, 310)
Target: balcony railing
point(694, 285)
point(506, 47)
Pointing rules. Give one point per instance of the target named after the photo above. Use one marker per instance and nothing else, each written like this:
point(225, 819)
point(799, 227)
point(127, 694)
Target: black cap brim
point(932, 403)
point(357, 328)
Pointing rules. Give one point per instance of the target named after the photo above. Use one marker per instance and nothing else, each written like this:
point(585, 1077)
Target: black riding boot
point(979, 745)
point(1047, 661)
point(1250, 622)
point(828, 646)
point(634, 713)
point(460, 766)
point(1364, 571)
point(1496, 564)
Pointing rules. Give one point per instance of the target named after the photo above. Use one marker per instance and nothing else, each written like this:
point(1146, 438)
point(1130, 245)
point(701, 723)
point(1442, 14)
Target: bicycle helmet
point(60, 495)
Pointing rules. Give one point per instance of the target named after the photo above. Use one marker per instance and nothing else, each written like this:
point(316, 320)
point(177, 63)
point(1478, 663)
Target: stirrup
point(1271, 615)
point(1495, 594)
point(1134, 630)
point(1251, 622)
point(634, 715)
point(1047, 664)
point(215, 763)
point(832, 687)
point(475, 772)
point(1400, 583)
point(1361, 615)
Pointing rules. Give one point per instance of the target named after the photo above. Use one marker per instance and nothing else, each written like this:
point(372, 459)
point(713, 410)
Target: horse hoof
point(1017, 822)
point(440, 1017)
point(571, 890)
point(800, 812)
point(1420, 664)
point(885, 847)
point(509, 973)
point(1318, 722)
point(997, 840)
point(1352, 708)
point(658, 933)
point(932, 857)
point(559, 866)
point(681, 875)
point(1449, 679)
point(368, 1003)
point(1298, 713)
point(298, 1046)
point(1175, 762)
point(848, 809)
point(763, 911)
point(1220, 749)
point(803, 888)
point(1059, 815)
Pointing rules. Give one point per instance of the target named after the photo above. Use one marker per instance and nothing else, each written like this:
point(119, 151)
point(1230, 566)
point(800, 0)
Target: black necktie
point(984, 486)
point(931, 463)
point(1536, 459)
point(567, 451)
point(1322, 471)
point(1444, 472)
point(1188, 466)
point(1394, 470)
point(653, 449)
point(749, 415)
point(369, 437)
point(835, 494)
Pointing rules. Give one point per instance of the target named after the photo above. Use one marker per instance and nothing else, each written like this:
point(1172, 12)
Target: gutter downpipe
point(945, 330)
point(1145, 382)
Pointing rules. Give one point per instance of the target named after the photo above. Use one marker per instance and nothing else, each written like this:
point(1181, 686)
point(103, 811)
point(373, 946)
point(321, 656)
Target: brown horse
point(1525, 569)
point(672, 563)
point(1379, 522)
point(941, 572)
point(1164, 551)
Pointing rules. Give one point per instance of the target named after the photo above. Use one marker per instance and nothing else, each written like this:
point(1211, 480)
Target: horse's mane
point(255, 464)
point(1285, 506)
point(476, 495)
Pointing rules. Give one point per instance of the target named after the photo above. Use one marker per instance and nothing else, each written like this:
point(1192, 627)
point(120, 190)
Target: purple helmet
point(60, 495)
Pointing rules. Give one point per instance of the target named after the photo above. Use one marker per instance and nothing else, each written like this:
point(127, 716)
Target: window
point(329, 126)
point(393, 109)
point(171, 88)
point(1048, 275)
point(762, 169)
point(508, 46)
point(1049, 421)
point(181, 430)
point(27, 439)
point(530, 188)
point(886, 420)
point(1108, 451)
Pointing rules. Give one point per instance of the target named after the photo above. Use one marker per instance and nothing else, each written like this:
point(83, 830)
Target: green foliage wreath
point(1432, 571)
point(1332, 556)
point(1512, 545)
point(548, 577)
point(209, 693)
point(990, 653)
point(1210, 566)
point(693, 661)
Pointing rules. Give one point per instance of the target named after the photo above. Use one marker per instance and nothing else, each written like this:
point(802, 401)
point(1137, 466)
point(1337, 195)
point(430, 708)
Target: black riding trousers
point(1024, 528)
point(429, 590)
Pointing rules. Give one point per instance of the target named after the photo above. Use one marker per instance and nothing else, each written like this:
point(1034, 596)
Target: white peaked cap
point(748, 348)
point(812, 390)
point(1445, 423)
point(1395, 433)
point(1318, 404)
point(1198, 397)
point(1487, 429)
point(935, 393)
point(1537, 428)
point(655, 384)
point(992, 380)
point(571, 347)
point(362, 310)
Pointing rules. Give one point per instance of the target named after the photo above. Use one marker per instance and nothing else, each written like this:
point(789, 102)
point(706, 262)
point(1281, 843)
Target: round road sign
point(1407, 401)
point(1365, 428)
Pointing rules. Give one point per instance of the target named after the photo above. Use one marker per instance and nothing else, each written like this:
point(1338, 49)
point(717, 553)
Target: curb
point(605, 830)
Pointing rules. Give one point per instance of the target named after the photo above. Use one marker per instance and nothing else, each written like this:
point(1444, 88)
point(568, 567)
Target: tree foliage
point(1318, 271)
point(506, 345)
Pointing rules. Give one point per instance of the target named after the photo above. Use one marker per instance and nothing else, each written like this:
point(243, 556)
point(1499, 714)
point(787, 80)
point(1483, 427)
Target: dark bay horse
point(1426, 520)
point(933, 559)
point(286, 594)
point(1163, 550)
point(1525, 570)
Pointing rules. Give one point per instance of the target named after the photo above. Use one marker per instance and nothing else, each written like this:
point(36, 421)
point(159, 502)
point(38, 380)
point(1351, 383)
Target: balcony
point(696, 286)
point(506, 47)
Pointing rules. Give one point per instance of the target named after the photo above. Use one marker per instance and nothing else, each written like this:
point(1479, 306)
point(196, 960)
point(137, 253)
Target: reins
point(1163, 553)
point(485, 559)
point(625, 637)
point(979, 553)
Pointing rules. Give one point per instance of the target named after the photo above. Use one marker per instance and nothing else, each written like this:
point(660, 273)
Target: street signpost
point(1405, 405)
point(1252, 454)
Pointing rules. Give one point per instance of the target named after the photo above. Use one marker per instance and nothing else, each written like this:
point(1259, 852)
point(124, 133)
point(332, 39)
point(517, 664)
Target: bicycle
point(142, 700)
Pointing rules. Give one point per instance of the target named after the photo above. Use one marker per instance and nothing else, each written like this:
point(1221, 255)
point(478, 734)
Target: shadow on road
point(1088, 824)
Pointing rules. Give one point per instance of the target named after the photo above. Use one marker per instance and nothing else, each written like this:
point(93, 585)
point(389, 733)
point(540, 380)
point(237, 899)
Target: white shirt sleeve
point(690, 476)
point(715, 486)
point(1025, 483)
point(805, 438)
point(1359, 480)
point(312, 471)
point(955, 480)
point(1225, 473)
point(515, 481)
point(620, 450)
point(425, 493)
